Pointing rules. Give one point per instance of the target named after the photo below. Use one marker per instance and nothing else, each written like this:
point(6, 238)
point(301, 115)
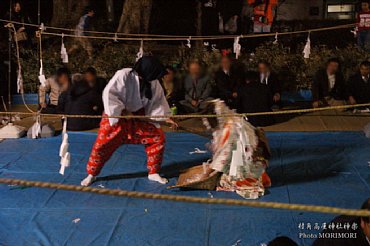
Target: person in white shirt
point(270, 79)
point(134, 91)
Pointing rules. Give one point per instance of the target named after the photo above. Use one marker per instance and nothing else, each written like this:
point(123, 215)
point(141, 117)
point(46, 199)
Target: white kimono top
point(123, 93)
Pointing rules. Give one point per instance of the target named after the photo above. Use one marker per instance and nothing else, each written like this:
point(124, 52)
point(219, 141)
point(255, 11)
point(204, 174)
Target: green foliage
point(295, 71)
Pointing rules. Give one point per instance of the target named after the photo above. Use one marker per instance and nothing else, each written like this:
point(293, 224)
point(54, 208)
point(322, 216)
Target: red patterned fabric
point(127, 131)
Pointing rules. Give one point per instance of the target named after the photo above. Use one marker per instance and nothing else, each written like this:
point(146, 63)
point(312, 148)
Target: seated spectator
point(172, 89)
point(328, 87)
point(356, 229)
point(254, 97)
point(359, 85)
point(269, 78)
point(197, 89)
point(95, 82)
point(53, 88)
point(226, 83)
point(80, 99)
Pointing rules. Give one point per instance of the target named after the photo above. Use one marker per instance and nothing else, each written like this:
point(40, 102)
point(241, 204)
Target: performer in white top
point(135, 91)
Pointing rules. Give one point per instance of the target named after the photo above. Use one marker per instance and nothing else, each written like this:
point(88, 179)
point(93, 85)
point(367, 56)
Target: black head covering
point(149, 69)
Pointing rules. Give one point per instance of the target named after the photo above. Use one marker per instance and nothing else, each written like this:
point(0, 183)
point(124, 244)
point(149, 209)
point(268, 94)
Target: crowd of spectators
point(242, 89)
point(64, 93)
point(245, 91)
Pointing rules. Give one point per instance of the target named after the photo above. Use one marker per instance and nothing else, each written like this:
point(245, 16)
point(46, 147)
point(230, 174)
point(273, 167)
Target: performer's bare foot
point(155, 177)
point(88, 180)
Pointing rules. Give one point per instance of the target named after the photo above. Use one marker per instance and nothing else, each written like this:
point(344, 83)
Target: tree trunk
point(66, 13)
point(135, 16)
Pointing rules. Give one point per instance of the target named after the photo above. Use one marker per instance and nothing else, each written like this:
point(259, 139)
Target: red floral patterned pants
point(127, 131)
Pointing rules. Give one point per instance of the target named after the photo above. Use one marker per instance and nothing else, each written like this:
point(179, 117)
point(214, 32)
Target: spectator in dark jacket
point(198, 89)
point(226, 83)
point(269, 78)
point(96, 83)
point(347, 231)
point(254, 97)
point(18, 15)
point(328, 87)
point(359, 85)
point(80, 99)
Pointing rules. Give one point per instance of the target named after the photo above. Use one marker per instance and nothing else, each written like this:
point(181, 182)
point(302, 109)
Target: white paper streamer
point(63, 51)
point(221, 28)
point(63, 151)
point(307, 48)
point(276, 39)
point(42, 27)
point(42, 78)
point(36, 128)
point(141, 51)
point(19, 81)
point(237, 47)
point(64, 146)
point(189, 42)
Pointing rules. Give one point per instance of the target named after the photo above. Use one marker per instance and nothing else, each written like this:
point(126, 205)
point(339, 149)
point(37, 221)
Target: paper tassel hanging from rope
point(42, 78)
point(42, 27)
point(19, 81)
point(63, 152)
point(188, 42)
point(63, 52)
point(141, 51)
point(221, 27)
point(307, 48)
point(237, 47)
point(276, 39)
point(36, 128)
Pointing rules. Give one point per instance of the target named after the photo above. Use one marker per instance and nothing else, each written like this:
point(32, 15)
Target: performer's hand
point(352, 100)
point(22, 29)
point(194, 103)
point(172, 123)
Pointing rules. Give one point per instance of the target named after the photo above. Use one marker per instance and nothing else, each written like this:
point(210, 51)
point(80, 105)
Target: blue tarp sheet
point(309, 168)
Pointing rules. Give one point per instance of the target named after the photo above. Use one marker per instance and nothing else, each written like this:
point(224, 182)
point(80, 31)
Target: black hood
point(148, 68)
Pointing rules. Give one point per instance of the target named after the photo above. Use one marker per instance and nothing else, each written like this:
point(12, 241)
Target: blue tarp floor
point(327, 168)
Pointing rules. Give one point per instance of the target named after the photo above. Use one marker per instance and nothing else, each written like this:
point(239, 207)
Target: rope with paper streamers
point(283, 112)
point(189, 199)
point(156, 37)
point(20, 88)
